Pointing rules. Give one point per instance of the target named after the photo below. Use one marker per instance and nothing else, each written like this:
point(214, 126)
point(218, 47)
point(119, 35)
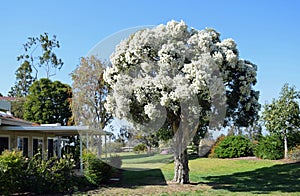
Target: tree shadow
point(133, 179)
point(282, 178)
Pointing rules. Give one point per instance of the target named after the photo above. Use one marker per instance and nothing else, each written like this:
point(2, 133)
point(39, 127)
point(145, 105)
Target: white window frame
point(22, 137)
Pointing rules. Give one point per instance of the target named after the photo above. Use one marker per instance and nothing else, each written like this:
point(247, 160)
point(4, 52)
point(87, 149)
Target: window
point(37, 146)
point(23, 145)
point(4, 143)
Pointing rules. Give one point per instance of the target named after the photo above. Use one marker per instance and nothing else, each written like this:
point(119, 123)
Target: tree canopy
point(282, 116)
point(24, 80)
point(89, 93)
point(48, 102)
point(38, 54)
point(181, 79)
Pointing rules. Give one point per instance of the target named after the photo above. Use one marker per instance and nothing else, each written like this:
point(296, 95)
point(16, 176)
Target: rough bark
point(181, 168)
point(181, 162)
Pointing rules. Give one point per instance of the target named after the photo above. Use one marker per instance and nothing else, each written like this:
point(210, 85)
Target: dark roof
point(8, 98)
point(13, 121)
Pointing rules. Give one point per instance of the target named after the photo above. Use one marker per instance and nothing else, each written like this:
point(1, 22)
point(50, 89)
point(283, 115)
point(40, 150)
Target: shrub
point(295, 153)
point(213, 149)
point(140, 148)
point(233, 147)
point(49, 176)
point(95, 170)
point(116, 161)
point(269, 147)
point(12, 172)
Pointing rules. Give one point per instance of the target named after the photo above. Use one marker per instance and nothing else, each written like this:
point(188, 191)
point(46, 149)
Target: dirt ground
point(170, 188)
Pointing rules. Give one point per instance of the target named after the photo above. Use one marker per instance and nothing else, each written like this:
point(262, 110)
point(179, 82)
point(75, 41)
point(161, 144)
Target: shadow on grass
point(132, 179)
point(282, 178)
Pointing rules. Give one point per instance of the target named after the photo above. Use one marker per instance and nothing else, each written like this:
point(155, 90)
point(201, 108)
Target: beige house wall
point(13, 137)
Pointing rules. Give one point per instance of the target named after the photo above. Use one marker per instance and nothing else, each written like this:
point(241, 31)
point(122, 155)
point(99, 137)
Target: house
point(32, 138)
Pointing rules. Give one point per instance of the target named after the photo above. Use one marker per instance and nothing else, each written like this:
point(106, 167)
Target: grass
point(208, 177)
point(144, 161)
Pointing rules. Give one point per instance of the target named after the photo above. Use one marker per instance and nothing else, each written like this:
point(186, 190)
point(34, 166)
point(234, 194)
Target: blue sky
point(267, 32)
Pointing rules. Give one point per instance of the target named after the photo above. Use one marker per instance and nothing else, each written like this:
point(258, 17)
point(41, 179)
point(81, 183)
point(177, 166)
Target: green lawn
point(210, 177)
point(143, 174)
point(144, 161)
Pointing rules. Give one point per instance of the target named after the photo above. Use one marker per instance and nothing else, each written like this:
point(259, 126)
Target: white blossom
point(170, 64)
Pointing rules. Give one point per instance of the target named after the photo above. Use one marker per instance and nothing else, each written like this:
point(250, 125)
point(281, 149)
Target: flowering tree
point(175, 78)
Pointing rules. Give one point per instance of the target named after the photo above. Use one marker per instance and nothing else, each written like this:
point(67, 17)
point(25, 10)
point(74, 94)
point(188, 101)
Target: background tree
point(48, 102)
point(17, 107)
point(24, 80)
point(39, 54)
point(178, 77)
point(282, 116)
point(1, 95)
point(89, 96)
point(89, 93)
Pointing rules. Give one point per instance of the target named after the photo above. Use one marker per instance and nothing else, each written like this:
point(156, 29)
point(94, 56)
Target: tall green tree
point(282, 116)
point(89, 94)
point(180, 79)
point(24, 80)
point(48, 102)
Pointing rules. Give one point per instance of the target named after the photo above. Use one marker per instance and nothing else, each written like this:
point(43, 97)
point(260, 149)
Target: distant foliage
point(140, 148)
point(269, 147)
point(233, 147)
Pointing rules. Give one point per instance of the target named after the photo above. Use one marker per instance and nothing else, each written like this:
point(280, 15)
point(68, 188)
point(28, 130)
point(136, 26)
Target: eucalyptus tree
point(175, 78)
point(39, 53)
point(89, 93)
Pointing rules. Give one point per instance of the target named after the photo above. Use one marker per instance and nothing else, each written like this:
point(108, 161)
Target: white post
point(81, 159)
point(105, 147)
point(87, 141)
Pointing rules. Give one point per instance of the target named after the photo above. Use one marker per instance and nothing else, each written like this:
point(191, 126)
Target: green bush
point(34, 175)
point(116, 161)
point(140, 148)
point(269, 147)
point(12, 172)
point(233, 147)
point(49, 176)
point(95, 170)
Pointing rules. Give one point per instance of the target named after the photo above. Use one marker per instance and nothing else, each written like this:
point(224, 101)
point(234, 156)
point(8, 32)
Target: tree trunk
point(181, 168)
point(181, 162)
point(285, 146)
